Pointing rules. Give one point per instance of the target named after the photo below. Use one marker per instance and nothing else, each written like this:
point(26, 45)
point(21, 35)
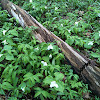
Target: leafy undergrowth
point(29, 70)
point(77, 22)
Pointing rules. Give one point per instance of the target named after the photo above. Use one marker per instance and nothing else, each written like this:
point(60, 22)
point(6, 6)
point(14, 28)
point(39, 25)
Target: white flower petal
point(37, 48)
point(69, 31)
point(23, 89)
point(76, 23)
point(4, 31)
point(90, 43)
point(56, 8)
point(31, 1)
point(54, 84)
point(50, 47)
point(44, 63)
point(62, 25)
point(1, 55)
point(98, 14)
point(99, 33)
point(50, 56)
point(4, 42)
point(45, 7)
point(33, 7)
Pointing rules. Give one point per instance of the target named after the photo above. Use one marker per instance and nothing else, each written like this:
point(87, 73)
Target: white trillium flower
point(4, 42)
point(31, 1)
point(4, 31)
point(69, 31)
point(44, 63)
point(76, 23)
point(1, 55)
point(50, 47)
point(99, 14)
point(50, 56)
point(90, 43)
point(54, 18)
point(62, 25)
point(33, 7)
point(23, 89)
point(37, 48)
point(45, 7)
point(99, 33)
point(54, 84)
point(56, 8)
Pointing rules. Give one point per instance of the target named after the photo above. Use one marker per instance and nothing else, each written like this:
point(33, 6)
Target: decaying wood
point(90, 72)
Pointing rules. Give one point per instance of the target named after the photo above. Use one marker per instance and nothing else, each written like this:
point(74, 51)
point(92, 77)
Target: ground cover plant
point(77, 22)
point(29, 70)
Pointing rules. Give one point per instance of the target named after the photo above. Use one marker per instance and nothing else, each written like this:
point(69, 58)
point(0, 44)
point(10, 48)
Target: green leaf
point(14, 78)
point(1, 65)
point(39, 75)
point(10, 72)
point(27, 76)
point(12, 98)
point(37, 93)
point(58, 76)
point(7, 47)
point(45, 58)
point(70, 41)
point(14, 52)
point(48, 79)
point(96, 36)
point(53, 61)
point(2, 92)
point(10, 41)
point(6, 70)
point(20, 46)
point(75, 84)
point(20, 28)
point(57, 67)
point(27, 89)
point(13, 32)
point(25, 59)
point(7, 86)
point(2, 58)
point(87, 46)
point(59, 56)
point(36, 78)
point(46, 94)
point(95, 55)
point(60, 86)
point(9, 57)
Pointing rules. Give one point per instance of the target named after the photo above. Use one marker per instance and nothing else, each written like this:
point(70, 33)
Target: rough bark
point(82, 65)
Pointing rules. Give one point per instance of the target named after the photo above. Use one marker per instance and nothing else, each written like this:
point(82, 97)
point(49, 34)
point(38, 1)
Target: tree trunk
point(82, 65)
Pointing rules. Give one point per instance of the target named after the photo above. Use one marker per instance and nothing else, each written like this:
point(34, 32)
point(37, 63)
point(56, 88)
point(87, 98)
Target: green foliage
point(28, 68)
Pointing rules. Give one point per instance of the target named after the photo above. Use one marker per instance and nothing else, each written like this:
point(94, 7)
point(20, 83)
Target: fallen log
point(89, 71)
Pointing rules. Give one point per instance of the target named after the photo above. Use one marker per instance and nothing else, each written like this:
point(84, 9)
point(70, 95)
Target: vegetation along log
point(85, 67)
